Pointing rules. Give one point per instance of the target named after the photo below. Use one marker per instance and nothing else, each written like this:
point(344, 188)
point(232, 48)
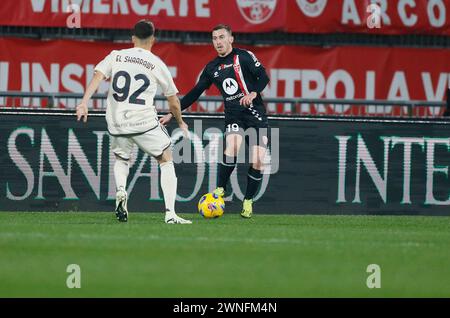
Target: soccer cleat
point(247, 209)
point(172, 218)
point(219, 192)
point(121, 205)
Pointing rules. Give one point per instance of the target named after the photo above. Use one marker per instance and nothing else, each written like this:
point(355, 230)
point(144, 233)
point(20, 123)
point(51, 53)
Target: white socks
point(121, 170)
point(168, 181)
point(169, 185)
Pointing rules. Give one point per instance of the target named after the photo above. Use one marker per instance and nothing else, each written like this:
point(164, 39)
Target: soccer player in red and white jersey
point(131, 115)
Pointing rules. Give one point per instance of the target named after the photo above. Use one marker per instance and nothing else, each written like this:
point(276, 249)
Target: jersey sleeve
point(165, 80)
point(105, 66)
point(203, 84)
point(254, 66)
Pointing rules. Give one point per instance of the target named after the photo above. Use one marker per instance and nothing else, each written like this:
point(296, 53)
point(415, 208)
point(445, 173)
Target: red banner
point(305, 16)
point(294, 71)
point(188, 15)
point(369, 16)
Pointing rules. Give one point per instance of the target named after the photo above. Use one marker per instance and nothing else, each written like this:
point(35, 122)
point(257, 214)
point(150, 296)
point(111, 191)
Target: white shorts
point(152, 142)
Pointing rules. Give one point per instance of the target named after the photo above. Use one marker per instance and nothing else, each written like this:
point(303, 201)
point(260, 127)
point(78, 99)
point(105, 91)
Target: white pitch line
point(152, 237)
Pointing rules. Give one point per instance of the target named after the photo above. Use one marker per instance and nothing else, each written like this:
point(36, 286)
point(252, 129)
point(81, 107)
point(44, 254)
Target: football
point(211, 206)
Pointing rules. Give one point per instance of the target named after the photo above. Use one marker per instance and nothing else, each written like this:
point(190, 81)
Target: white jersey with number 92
point(135, 75)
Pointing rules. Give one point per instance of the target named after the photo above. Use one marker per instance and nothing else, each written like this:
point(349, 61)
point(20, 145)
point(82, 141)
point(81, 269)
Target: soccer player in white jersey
point(131, 115)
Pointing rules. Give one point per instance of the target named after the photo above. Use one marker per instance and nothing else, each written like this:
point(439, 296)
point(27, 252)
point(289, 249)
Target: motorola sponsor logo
point(230, 86)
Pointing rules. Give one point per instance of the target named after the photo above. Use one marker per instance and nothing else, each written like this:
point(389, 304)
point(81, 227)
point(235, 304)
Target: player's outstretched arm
point(82, 108)
point(203, 84)
point(185, 103)
point(175, 110)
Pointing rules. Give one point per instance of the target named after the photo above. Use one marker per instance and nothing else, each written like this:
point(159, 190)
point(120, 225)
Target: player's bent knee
point(166, 156)
point(230, 152)
point(233, 146)
point(233, 140)
point(258, 156)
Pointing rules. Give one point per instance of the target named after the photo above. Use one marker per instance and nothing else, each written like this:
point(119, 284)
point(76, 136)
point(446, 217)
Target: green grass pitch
point(267, 256)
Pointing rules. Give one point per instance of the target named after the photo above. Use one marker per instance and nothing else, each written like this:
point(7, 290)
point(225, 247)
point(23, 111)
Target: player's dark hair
point(144, 29)
point(223, 26)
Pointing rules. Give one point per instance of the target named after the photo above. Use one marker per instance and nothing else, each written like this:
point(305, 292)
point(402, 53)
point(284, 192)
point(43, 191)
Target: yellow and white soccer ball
point(211, 206)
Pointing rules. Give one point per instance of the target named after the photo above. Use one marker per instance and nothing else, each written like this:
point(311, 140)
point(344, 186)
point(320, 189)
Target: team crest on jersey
point(256, 11)
point(312, 8)
point(230, 86)
point(237, 68)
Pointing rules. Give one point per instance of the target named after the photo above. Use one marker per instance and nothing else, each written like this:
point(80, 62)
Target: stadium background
point(324, 58)
point(362, 131)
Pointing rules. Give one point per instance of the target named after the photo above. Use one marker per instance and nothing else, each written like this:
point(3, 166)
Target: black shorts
point(255, 128)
